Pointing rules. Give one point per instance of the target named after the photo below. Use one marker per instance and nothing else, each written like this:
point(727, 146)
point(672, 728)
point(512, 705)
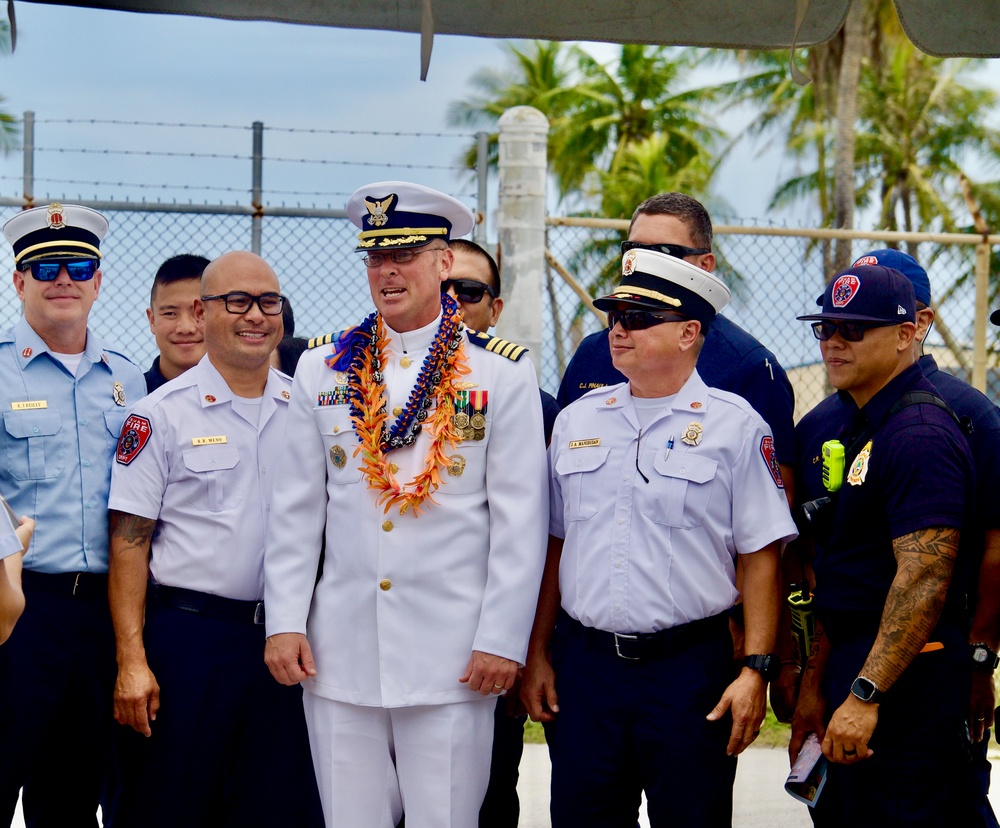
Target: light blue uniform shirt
point(645, 556)
point(9, 542)
point(58, 437)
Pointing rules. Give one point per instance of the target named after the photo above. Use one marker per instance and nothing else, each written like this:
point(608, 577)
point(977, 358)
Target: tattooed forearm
point(924, 564)
point(131, 530)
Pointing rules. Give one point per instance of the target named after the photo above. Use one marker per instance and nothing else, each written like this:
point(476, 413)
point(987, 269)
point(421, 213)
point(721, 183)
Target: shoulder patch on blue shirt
point(497, 345)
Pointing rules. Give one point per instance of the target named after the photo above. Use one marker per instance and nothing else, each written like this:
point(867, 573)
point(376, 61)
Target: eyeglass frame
point(678, 251)
point(226, 297)
point(843, 326)
point(448, 284)
point(407, 253)
point(29, 267)
point(616, 316)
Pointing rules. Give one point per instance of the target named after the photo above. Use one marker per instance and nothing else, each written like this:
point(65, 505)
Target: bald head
point(222, 274)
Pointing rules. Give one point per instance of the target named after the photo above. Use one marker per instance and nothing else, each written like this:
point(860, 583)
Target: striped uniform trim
point(403, 231)
point(496, 345)
point(73, 248)
point(320, 341)
point(633, 290)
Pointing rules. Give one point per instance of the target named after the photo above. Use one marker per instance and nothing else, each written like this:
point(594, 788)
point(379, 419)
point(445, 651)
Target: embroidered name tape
point(593, 441)
point(29, 404)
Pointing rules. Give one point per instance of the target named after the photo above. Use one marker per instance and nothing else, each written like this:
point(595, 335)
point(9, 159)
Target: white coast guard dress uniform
point(404, 600)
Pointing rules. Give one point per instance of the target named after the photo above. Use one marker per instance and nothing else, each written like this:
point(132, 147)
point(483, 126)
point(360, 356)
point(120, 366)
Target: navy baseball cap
point(906, 265)
point(868, 293)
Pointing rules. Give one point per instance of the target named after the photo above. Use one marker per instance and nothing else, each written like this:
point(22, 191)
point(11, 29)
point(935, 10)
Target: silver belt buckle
point(618, 649)
point(258, 613)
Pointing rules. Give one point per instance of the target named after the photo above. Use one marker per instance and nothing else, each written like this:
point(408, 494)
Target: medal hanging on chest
point(428, 407)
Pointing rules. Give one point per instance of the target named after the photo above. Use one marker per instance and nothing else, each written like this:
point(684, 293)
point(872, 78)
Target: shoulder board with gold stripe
point(320, 341)
point(511, 350)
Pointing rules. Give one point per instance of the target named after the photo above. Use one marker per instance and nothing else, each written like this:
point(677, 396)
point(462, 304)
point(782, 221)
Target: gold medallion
point(457, 465)
point(478, 421)
point(479, 434)
point(469, 433)
point(338, 457)
point(461, 420)
point(340, 377)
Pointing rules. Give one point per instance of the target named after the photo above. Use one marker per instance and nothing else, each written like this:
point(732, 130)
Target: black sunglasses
point(468, 290)
point(270, 304)
point(47, 270)
point(639, 320)
point(849, 331)
point(678, 251)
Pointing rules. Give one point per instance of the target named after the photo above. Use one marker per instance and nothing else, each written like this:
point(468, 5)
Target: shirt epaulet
point(320, 341)
point(496, 345)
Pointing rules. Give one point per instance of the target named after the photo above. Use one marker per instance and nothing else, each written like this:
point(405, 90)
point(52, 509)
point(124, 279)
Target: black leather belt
point(212, 606)
point(86, 585)
point(642, 646)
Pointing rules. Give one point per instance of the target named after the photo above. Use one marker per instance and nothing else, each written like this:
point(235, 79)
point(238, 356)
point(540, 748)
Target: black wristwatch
point(769, 666)
point(983, 658)
point(865, 689)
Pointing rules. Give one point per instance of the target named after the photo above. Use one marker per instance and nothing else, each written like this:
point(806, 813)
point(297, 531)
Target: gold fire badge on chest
point(119, 394)
point(692, 434)
point(859, 468)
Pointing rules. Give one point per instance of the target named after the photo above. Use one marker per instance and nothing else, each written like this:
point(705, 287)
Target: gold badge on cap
point(457, 465)
point(692, 434)
point(377, 210)
point(56, 221)
point(338, 457)
point(119, 393)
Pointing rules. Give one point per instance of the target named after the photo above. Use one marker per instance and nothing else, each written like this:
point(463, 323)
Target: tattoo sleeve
point(131, 531)
point(925, 561)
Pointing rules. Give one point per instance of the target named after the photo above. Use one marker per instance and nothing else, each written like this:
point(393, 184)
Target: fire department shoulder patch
point(135, 434)
point(771, 459)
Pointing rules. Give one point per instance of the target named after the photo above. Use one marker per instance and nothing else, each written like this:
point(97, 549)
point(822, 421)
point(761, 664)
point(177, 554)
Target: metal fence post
point(256, 195)
point(28, 157)
point(521, 225)
point(482, 168)
point(982, 314)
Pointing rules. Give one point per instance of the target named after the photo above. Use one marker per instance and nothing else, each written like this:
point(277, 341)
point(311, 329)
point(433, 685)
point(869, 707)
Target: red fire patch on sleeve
point(135, 434)
point(771, 459)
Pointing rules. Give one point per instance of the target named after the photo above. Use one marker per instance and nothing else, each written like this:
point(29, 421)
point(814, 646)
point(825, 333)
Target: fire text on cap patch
point(845, 289)
point(865, 260)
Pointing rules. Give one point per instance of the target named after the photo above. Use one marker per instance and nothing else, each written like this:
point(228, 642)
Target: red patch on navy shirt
point(135, 434)
point(771, 458)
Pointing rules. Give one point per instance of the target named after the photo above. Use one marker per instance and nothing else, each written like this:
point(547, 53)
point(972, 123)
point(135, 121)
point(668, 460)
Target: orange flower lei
point(369, 422)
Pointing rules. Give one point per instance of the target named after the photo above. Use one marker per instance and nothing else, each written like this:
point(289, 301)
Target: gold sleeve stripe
point(320, 341)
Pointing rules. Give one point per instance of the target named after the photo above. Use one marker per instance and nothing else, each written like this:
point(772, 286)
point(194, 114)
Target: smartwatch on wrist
point(983, 658)
point(769, 666)
point(865, 689)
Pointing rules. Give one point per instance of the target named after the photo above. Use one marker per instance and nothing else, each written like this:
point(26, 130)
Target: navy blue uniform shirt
point(154, 377)
point(731, 360)
point(918, 474)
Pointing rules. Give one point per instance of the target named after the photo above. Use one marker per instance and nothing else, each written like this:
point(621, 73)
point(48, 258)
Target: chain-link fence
point(774, 279)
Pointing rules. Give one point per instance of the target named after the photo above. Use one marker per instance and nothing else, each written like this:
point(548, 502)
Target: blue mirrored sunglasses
point(47, 270)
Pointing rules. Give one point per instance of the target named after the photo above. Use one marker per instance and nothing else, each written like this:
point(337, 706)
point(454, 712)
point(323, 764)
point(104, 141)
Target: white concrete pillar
point(521, 226)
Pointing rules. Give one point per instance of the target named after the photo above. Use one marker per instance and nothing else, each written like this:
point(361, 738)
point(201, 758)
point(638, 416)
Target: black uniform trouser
point(229, 745)
point(57, 676)
point(501, 807)
point(625, 727)
point(921, 774)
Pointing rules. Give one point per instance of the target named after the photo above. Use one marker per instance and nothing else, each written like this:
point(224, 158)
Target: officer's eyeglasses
point(396, 256)
point(849, 331)
point(639, 320)
point(270, 304)
point(47, 270)
point(678, 251)
point(468, 290)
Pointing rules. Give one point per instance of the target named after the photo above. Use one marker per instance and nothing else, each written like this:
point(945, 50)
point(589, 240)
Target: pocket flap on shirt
point(210, 458)
point(21, 424)
point(571, 461)
point(334, 419)
point(686, 466)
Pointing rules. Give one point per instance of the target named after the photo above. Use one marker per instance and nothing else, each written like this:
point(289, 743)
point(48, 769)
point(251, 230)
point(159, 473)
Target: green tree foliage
point(8, 123)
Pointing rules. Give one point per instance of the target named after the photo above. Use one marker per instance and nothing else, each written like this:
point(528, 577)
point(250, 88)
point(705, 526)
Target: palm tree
point(8, 123)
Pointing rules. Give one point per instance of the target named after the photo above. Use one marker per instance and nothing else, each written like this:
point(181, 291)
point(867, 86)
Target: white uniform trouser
point(374, 763)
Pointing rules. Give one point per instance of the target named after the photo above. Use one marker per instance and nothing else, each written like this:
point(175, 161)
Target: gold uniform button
point(336, 429)
point(394, 468)
point(387, 526)
point(397, 411)
point(385, 585)
point(405, 362)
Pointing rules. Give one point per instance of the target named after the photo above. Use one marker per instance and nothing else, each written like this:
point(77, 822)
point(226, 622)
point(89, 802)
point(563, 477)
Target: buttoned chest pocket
point(682, 486)
point(212, 478)
point(113, 421)
point(339, 442)
point(34, 446)
point(467, 470)
point(580, 473)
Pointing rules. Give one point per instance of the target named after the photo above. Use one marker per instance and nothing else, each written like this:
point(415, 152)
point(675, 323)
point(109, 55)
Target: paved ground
point(760, 799)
